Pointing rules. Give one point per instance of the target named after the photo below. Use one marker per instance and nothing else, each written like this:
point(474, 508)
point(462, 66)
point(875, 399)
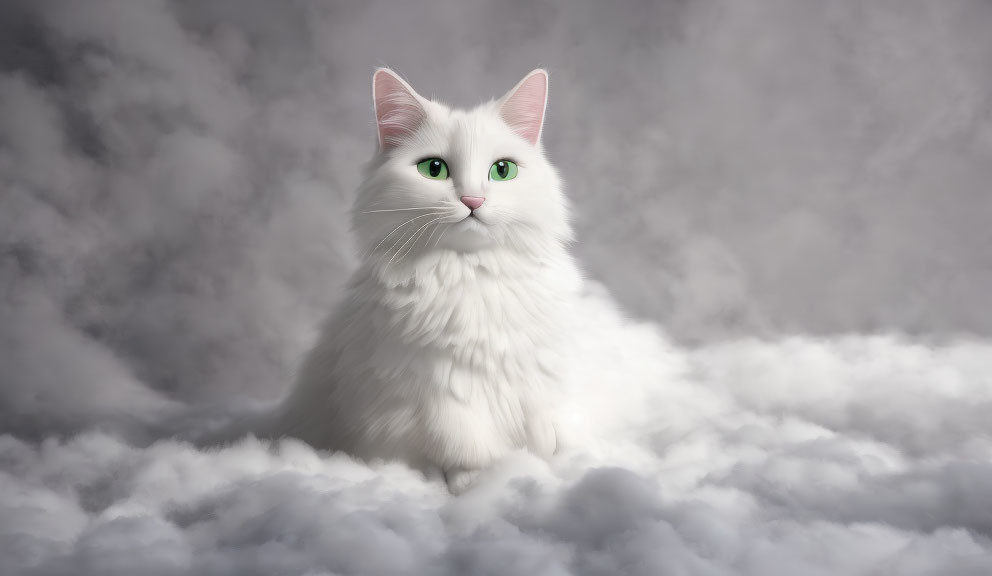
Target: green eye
point(503, 170)
point(433, 168)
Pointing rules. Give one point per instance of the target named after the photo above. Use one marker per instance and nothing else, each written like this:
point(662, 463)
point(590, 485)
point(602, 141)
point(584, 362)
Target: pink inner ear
point(398, 113)
point(523, 107)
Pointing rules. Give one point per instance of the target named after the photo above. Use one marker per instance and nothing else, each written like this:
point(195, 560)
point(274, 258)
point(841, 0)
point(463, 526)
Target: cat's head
point(461, 180)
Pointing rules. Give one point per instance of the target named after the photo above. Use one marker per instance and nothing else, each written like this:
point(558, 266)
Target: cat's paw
point(459, 480)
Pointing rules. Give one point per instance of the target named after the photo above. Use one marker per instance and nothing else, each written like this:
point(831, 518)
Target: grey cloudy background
point(174, 178)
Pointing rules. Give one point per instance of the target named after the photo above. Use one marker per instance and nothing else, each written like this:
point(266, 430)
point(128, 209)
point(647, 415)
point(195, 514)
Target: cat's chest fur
point(467, 326)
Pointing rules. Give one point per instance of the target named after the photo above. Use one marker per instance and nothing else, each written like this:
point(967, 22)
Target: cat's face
point(460, 180)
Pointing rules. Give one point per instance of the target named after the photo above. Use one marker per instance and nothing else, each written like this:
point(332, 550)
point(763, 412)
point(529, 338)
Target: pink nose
point(473, 202)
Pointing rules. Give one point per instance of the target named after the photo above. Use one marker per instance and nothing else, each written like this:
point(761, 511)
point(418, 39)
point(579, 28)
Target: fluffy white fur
point(448, 349)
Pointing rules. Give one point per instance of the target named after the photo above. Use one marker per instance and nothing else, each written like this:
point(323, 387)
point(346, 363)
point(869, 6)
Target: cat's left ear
point(523, 106)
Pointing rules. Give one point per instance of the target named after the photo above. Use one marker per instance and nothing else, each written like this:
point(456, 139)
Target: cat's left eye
point(503, 170)
point(433, 168)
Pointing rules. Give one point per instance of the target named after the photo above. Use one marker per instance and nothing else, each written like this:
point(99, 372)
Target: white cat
point(448, 349)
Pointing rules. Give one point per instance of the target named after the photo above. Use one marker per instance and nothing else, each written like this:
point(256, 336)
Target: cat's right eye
point(433, 168)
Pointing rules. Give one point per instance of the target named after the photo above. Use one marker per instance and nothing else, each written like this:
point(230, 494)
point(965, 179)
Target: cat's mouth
point(470, 233)
point(473, 224)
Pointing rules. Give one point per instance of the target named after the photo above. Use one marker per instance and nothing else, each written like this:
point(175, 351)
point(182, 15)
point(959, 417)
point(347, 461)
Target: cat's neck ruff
point(456, 266)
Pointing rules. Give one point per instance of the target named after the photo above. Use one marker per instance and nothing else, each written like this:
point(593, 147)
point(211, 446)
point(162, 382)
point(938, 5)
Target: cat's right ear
point(399, 110)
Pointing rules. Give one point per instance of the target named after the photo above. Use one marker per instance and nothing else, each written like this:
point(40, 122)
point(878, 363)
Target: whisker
point(443, 227)
point(403, 209)
point(399, 243)
point(446, 228)
point(415, 234)
point(372, 251)
point(433, 232)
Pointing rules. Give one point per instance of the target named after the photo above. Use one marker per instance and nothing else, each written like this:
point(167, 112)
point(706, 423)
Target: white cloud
point(756, 458)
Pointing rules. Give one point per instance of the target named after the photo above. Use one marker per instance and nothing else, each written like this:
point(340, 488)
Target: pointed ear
point(523, 107)
point(399, 110)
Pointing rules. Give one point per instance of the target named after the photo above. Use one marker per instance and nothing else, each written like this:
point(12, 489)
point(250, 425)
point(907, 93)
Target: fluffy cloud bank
point(851, 456)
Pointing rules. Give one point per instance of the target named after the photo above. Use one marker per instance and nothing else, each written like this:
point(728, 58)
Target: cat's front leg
point(542, 441)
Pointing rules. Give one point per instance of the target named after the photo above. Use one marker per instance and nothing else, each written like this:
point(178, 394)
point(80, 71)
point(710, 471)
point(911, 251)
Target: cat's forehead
point(482, 116)
point(469, 126)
